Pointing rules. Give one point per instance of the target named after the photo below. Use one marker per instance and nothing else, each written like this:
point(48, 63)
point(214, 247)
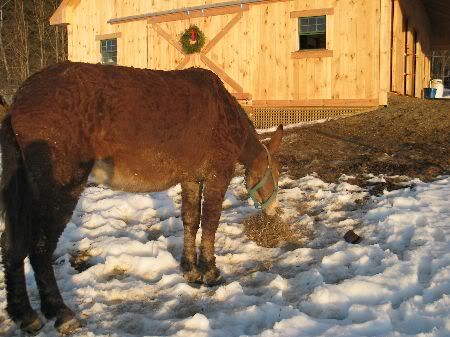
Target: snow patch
point(396, 282)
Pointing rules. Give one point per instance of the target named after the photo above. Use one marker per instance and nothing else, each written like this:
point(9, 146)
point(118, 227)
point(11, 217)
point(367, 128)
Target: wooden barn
point(284, 60)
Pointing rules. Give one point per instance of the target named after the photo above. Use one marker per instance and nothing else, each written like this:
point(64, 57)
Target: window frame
point(108, 50)
point(107, 37)
point(312, 53)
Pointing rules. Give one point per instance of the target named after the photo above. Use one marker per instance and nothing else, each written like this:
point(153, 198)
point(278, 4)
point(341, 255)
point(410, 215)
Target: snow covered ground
point(127, 248)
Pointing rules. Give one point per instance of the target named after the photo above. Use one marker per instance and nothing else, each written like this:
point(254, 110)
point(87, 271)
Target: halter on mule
point(252, 192)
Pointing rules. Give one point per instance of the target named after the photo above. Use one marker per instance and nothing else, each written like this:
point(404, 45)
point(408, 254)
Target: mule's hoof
point(67, 324)
point(212, 278)
point(193, 276)
point(32, 326)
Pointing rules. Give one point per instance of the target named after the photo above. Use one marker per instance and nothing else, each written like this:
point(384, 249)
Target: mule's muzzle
point(272, 209)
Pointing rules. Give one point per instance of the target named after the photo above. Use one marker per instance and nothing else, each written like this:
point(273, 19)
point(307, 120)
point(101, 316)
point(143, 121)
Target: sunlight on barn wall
point(258, 57)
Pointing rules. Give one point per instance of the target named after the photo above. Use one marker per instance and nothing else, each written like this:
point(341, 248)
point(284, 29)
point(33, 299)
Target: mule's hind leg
point(58, 176)
point(18, 307)
point(17, 203)
point(190, 212)
point(57, 212)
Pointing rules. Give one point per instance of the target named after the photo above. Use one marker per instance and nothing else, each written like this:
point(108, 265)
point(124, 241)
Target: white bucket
point(439, 86)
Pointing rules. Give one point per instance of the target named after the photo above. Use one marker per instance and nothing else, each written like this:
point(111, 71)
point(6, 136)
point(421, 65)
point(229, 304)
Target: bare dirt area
point(410, 137)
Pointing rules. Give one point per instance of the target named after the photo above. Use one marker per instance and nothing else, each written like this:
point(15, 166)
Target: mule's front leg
point(212, 207)
point(190, 212)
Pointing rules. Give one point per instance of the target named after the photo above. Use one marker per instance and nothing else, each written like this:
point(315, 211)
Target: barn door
point(202, 58)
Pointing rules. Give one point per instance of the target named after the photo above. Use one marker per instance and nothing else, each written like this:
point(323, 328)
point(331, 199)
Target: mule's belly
point(137, 179)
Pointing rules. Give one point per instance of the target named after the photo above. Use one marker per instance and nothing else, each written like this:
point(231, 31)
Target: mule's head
point(261, 178)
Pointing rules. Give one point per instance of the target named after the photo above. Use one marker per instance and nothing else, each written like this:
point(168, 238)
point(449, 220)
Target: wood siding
point(254, 49)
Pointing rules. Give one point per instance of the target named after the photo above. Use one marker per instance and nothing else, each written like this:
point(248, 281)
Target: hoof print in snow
point(352, 237)
point(91, 184)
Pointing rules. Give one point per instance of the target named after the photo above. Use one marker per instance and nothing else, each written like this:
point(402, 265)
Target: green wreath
point(192, 40)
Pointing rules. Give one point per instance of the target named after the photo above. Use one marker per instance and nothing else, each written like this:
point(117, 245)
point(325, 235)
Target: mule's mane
point(235, 104)
point(252, 126)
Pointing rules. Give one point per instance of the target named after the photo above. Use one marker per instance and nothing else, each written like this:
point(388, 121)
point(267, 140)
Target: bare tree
point(2, 49)
point(22, 48)
point(40, 22)
point(59, 39)
point(27, 41)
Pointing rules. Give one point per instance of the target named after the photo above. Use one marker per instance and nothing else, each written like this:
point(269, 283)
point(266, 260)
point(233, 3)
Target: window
point(108, 49)
point(313, 37)
point(312, 32)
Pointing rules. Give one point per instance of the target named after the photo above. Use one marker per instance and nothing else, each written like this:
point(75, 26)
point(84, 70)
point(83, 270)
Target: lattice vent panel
point(268, 117)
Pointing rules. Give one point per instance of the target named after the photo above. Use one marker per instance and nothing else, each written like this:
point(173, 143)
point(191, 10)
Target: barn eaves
point(194, 11)
point(58, 17)
point(439, 15)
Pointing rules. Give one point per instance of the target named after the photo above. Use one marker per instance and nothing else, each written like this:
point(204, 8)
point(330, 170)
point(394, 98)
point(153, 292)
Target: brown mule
point(135, 130)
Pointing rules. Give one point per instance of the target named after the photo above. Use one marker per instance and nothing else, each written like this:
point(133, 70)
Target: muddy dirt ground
point(409, 137)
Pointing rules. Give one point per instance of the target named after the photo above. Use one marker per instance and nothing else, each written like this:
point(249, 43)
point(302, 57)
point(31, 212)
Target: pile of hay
point(273, 232)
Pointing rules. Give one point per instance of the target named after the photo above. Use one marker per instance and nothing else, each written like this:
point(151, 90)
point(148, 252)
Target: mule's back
point(149, 128)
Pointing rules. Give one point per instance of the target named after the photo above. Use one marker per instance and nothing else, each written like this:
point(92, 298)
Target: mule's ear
point(275, 142)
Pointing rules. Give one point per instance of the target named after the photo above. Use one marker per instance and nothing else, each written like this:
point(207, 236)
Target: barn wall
point(257, 53)
point(88, 19)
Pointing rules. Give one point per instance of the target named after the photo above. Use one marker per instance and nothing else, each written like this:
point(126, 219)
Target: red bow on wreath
point(193, 35)
point(192, 40)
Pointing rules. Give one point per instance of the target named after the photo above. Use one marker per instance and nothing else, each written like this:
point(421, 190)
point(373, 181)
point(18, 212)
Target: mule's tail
point(16, 192)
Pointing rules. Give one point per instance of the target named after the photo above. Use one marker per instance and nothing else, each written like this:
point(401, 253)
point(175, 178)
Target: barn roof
point(59, 17)
point(439, 14)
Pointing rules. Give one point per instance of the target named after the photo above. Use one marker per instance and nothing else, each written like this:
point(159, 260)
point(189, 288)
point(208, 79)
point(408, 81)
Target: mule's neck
point(251, 149)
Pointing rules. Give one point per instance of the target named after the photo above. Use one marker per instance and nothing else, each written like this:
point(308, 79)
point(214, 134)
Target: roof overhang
point(62, 14)
point(216, 8)
point(439, 16)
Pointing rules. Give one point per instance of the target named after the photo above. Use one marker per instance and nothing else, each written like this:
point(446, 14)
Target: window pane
point(312, 25)
point(312, 32)
point(313, 41)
